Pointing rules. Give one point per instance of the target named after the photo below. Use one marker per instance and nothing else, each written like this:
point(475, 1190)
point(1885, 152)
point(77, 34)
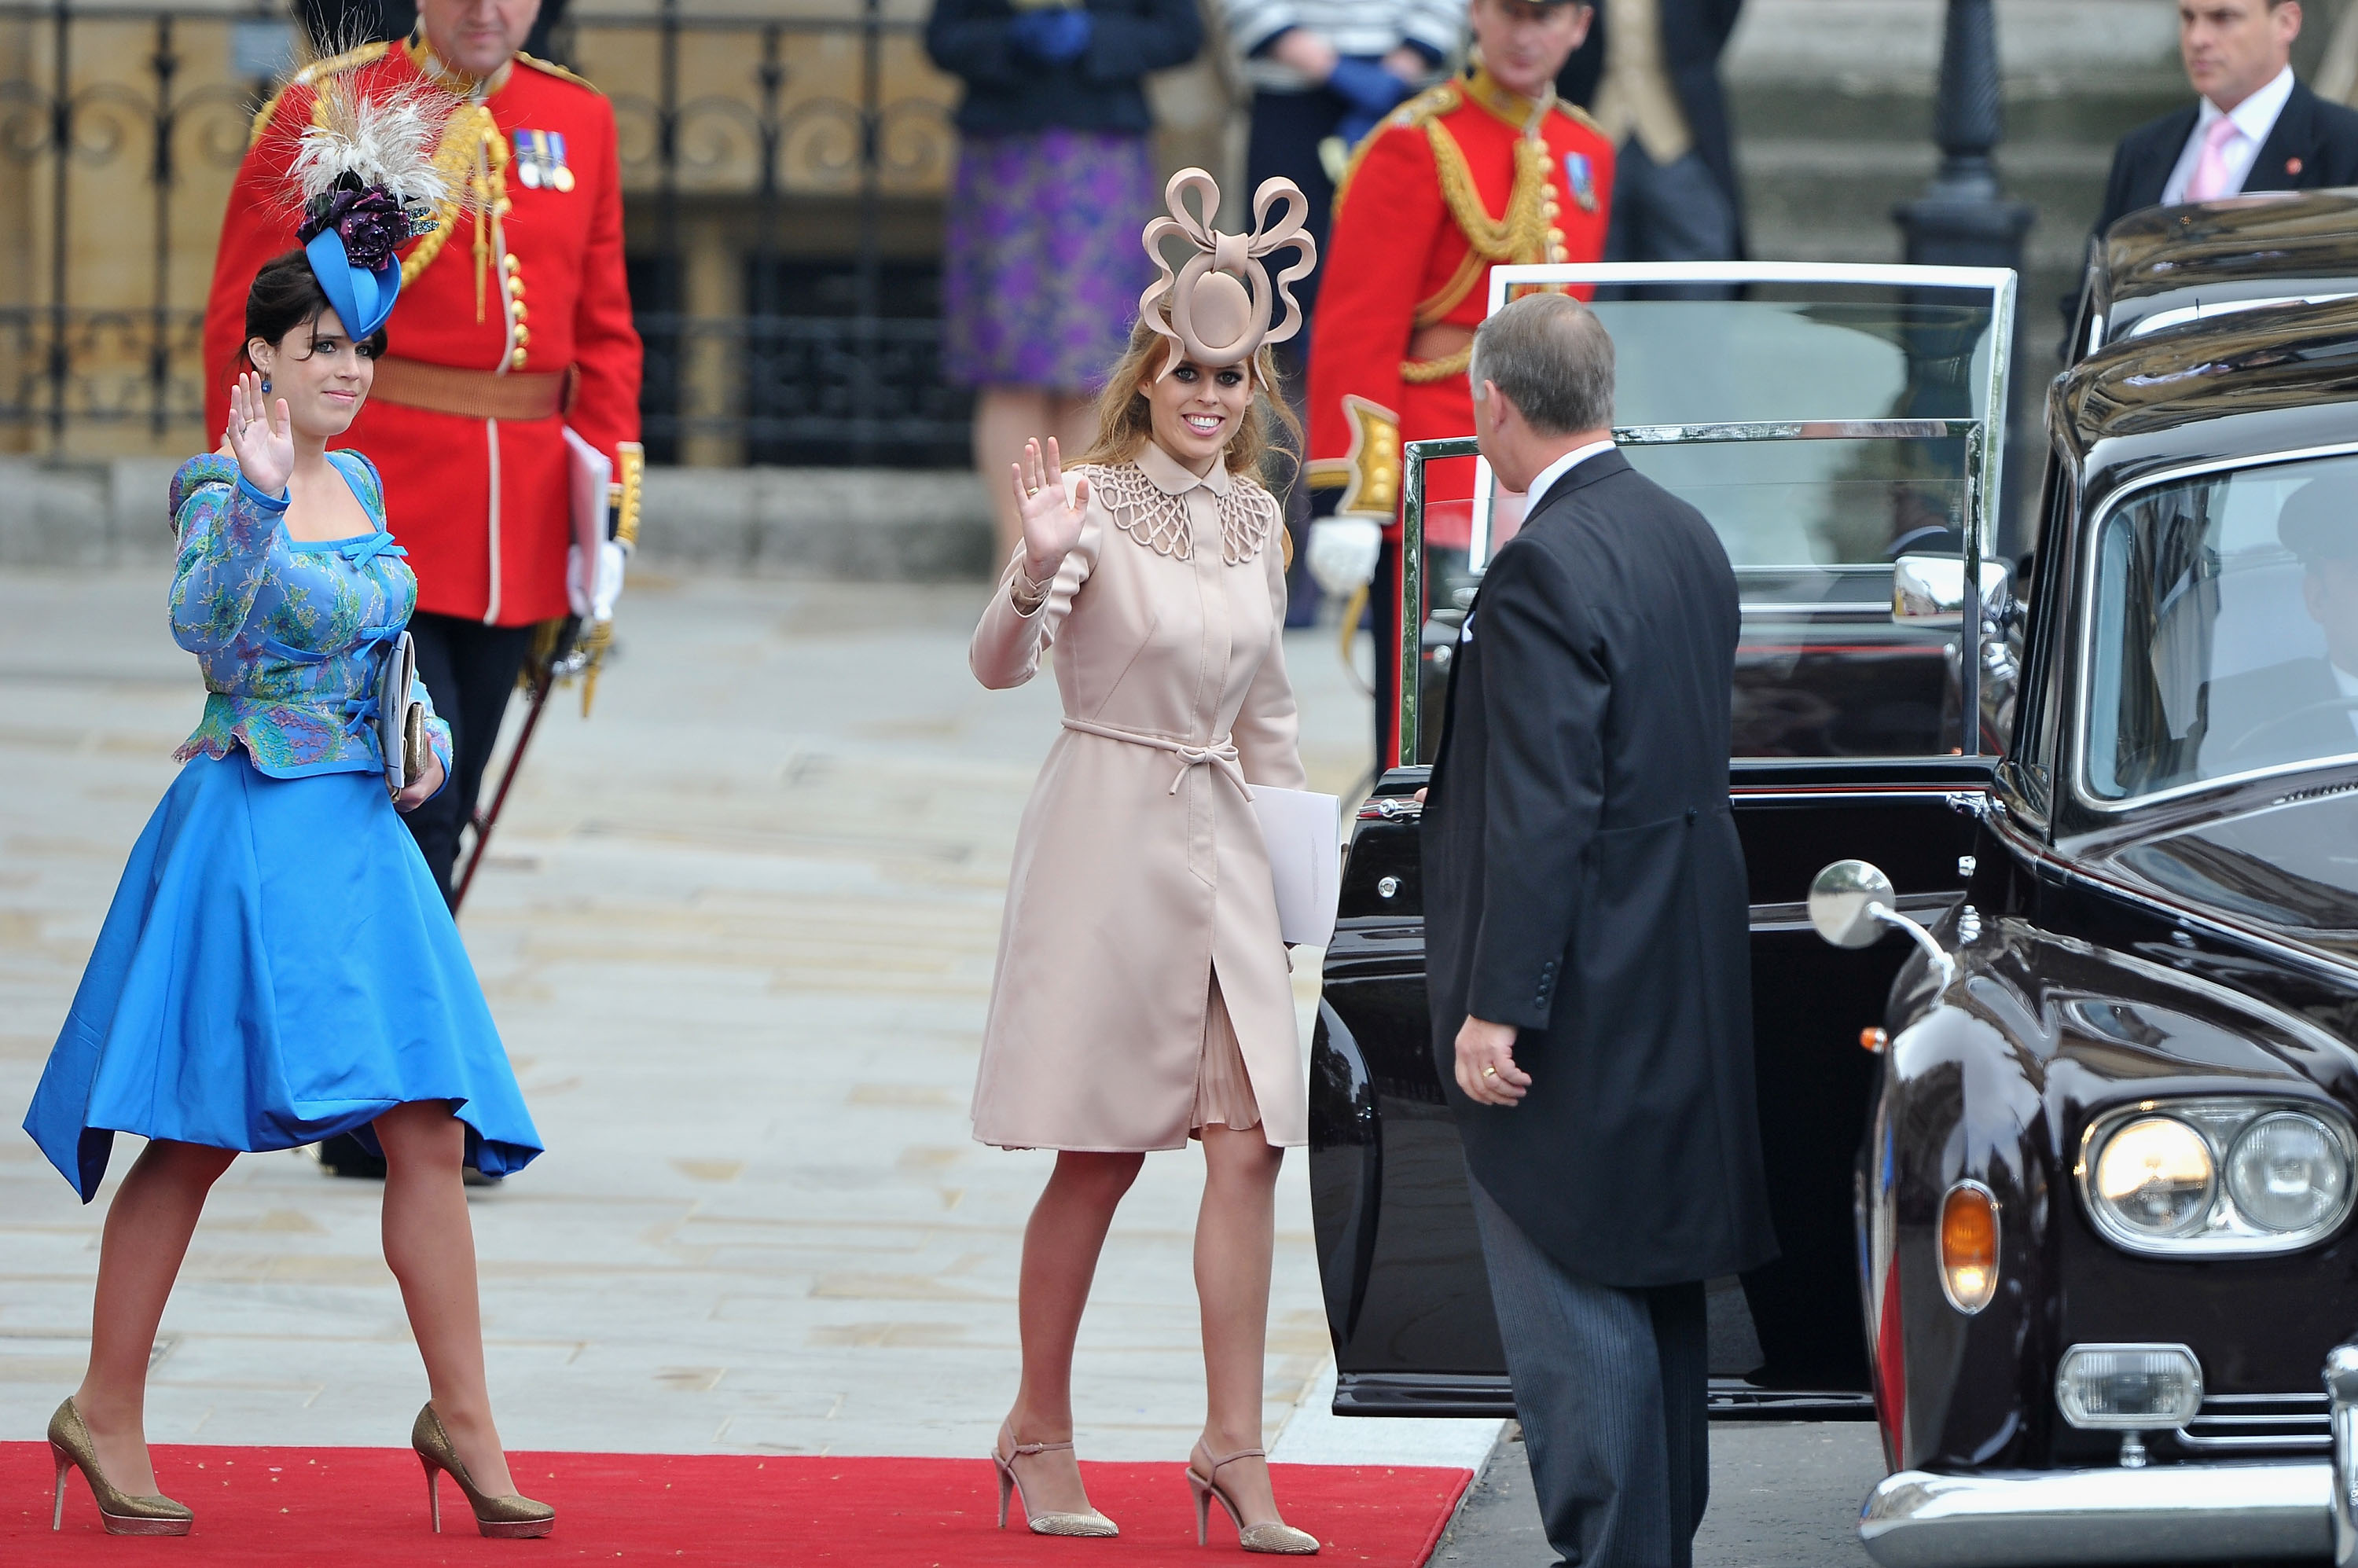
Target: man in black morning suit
point(2277, 136)
point(1587, 925)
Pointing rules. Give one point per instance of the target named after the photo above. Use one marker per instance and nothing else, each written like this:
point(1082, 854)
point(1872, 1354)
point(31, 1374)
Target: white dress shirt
point(2255, 117)
point(1564, 465)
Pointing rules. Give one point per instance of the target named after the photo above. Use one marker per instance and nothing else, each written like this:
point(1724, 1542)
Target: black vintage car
point(2055, 924)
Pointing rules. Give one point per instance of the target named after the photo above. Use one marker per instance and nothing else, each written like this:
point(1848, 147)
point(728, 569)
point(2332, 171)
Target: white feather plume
point(385, 137)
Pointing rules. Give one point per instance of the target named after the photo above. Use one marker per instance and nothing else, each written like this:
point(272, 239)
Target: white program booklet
point(1304, 833)
point(590, 471)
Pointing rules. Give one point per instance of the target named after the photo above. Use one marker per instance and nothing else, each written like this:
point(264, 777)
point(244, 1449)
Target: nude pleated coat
point(1140, 869)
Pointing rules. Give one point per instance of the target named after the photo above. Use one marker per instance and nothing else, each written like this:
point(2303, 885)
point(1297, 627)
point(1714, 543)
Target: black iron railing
point(806, 155)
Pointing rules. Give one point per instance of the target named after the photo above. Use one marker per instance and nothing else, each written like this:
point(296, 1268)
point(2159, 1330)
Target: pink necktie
point(2210, 177)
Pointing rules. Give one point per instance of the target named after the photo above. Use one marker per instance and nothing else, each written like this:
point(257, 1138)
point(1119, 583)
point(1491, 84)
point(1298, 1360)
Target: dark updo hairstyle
point(286, 295)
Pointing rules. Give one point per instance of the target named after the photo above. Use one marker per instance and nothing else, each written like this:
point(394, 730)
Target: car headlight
point(2156, 1176)
point(2222, 1175)
point(2287, 1173)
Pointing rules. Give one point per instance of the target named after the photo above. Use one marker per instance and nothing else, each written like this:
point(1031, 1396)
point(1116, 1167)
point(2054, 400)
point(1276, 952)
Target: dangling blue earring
point(266, 383)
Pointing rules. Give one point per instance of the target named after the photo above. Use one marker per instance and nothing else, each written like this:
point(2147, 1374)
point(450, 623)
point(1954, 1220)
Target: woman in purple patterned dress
point(1042, 271)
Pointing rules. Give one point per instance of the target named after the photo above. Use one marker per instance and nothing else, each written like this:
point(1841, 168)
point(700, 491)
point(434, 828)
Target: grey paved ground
point(1782, 1495)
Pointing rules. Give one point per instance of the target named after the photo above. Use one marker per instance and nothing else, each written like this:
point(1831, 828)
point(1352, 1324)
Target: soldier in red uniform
point(513, 327)
point(1489, 168)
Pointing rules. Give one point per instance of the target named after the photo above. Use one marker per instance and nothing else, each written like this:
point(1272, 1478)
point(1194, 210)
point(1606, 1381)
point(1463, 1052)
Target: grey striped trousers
point(1611, 1386)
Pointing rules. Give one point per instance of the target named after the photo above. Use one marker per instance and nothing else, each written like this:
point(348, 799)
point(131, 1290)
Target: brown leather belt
point(474, 394)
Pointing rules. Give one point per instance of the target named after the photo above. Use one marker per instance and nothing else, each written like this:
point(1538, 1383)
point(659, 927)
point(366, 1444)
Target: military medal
point(1578, 179)
point(540, 161)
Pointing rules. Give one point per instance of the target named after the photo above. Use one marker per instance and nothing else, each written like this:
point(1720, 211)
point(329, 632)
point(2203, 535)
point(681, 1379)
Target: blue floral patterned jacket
point(291, 635)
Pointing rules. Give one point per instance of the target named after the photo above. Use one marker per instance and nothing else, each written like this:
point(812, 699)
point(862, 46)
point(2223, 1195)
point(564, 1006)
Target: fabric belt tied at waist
point(474, 394)
point(1220, 754)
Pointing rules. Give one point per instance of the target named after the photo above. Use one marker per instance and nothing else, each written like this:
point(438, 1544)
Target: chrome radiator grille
point(2280, 1423)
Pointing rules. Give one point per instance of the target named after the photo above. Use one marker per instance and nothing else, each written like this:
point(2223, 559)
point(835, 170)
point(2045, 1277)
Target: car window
point(1825, 421)
point(2225, 628)
point(1827, 503)
point(1813, 525)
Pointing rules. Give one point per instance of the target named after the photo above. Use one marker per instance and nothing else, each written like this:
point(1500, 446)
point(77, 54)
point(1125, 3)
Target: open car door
point(1840, 427)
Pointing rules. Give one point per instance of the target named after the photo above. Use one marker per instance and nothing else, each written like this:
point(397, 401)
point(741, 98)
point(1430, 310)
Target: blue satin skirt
point(278, 967)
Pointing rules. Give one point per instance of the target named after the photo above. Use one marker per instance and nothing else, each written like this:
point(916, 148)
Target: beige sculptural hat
point(1216, 308)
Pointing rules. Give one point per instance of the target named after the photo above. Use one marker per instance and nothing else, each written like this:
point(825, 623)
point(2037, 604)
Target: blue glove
point(1366, 86)
point(1054, 34)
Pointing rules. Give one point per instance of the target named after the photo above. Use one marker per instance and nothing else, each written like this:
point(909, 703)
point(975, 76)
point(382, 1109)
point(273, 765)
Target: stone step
point(1832, 201)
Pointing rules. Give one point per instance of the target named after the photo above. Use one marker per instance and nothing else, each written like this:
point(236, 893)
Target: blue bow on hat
point(363, 296)
point(350, 235)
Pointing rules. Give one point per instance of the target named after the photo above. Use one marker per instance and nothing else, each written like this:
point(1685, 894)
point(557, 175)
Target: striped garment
point(1353, 26)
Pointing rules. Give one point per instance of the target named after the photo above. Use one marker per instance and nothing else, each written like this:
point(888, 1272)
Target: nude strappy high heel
point(1270, 1535)
point(121, 1513)
point(512, 1516)
point(1089, 1523)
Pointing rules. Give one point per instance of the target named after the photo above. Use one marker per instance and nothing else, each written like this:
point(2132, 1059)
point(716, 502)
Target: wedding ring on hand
point(1489, 1072)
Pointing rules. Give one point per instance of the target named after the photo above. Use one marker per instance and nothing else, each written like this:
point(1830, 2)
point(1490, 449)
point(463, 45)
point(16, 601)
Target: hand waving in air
point(261, 435)
point(1052, 523)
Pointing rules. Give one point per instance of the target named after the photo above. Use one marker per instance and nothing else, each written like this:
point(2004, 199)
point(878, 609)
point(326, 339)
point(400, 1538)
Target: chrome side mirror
point(1929, 590)
point(1852, 904)
point(1843, 898)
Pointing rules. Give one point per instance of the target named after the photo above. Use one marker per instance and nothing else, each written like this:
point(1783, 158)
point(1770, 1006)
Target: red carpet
point(359, 1507)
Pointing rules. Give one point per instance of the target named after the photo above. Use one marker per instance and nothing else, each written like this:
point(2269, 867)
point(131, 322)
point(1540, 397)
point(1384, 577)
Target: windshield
point(1825, 421)
point(2225, 627)
point(1808, 355)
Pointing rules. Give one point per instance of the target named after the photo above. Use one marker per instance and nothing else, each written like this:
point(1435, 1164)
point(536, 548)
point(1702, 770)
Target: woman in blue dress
point(278, 966)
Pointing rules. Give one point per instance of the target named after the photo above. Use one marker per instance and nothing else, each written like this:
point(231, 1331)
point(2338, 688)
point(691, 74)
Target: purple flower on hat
point(370, 223)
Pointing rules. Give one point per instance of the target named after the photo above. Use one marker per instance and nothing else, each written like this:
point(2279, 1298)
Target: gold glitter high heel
point(119, 1512)
point(512, 1516)
point(1270, 1535)
point(1089, 1523)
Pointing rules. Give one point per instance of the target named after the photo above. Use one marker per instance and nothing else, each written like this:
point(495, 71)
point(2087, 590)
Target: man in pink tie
point(2253, 127)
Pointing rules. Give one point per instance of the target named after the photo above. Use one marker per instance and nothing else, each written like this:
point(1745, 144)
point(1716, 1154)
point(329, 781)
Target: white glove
point(594, 600)
point(1343, 553)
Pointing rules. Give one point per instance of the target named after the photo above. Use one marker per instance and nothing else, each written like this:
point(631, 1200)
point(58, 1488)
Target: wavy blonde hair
point(1126, 421)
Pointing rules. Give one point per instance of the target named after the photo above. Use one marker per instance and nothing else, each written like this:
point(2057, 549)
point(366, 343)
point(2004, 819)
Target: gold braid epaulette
point(350, 59)
point(1422, 109)
point(557, 70)
point(1579, 117)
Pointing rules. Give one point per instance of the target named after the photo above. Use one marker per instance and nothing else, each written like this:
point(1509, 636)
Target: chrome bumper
point(2162, 1513)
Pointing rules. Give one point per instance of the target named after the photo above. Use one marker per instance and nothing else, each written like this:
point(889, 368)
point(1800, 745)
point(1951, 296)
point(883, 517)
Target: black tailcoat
point(2313, 145)
point(1584, 881)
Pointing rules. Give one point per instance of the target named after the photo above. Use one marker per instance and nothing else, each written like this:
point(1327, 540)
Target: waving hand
point(261, 435)
point(1052, 522)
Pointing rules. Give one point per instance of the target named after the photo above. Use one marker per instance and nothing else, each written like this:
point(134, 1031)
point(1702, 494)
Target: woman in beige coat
point(1142, 994)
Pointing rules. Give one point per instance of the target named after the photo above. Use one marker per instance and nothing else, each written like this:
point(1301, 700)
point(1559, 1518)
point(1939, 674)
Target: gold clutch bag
point(416, 752)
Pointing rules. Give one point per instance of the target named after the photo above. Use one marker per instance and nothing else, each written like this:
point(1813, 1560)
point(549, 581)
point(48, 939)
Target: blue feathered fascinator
point(368, 182)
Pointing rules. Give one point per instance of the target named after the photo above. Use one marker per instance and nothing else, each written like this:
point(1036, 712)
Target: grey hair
point(1553, 356)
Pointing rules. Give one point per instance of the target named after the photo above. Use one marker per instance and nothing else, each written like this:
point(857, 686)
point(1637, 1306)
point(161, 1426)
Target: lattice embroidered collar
point(1147, 499)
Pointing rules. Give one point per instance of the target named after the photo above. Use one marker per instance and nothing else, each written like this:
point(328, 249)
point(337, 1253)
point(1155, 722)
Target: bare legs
point(1060, 1258)
point(428, 1243)
point(147, 1229)
point(1007, 417)
point(1234, 1234)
